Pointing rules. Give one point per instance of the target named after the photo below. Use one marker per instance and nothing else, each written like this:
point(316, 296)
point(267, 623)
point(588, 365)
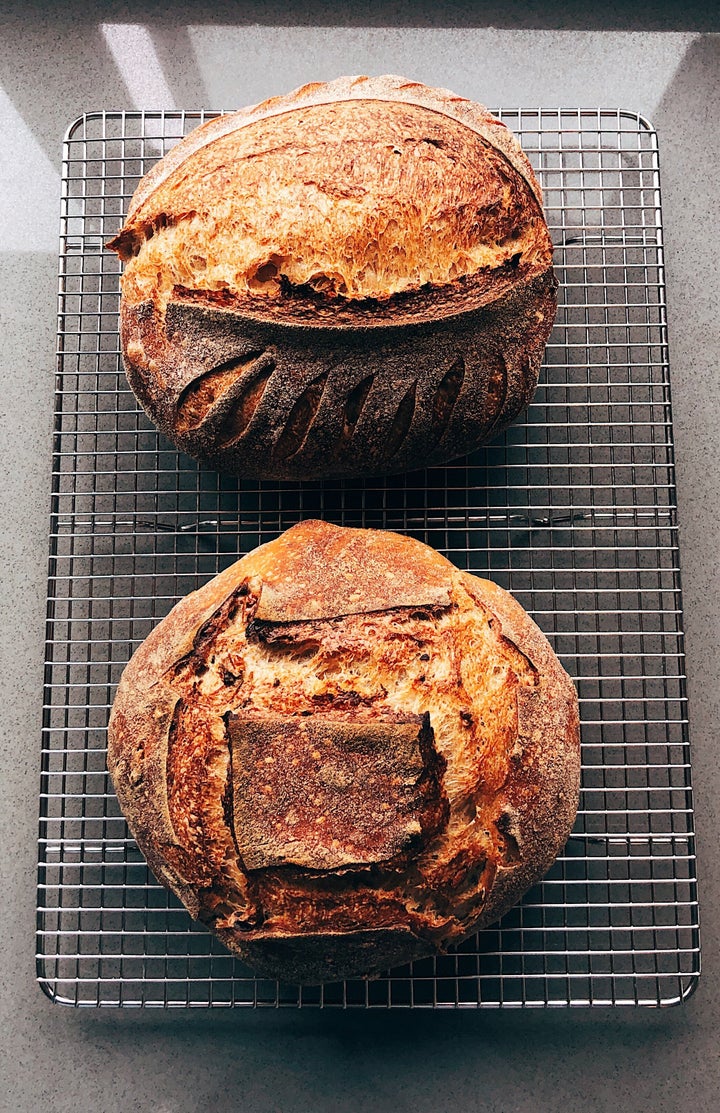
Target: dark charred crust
point(328, 956)
point(345, 700)
point(437, 812)
point(283, 634)
point(227, 796)
point(310, 632)
point(170, 752)
point(304, 306)
point(507, 827)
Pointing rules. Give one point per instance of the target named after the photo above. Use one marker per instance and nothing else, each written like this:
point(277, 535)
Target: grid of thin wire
point(573, 509)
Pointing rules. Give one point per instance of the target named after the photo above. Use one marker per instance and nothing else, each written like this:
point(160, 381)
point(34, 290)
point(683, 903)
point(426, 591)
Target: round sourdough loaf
point(352, 279)
point(342, 753)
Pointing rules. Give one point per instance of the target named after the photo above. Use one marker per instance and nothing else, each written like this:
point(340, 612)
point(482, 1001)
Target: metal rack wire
point(573, 510)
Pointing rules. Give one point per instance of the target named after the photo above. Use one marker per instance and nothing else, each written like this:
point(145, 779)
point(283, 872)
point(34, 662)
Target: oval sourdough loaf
point(342, 753)
point(352, 279)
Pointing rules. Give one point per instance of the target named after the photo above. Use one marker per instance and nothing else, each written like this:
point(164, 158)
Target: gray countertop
point(56, 63)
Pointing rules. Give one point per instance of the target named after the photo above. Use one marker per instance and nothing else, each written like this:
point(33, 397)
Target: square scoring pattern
point(322, 793)
point(573, 509)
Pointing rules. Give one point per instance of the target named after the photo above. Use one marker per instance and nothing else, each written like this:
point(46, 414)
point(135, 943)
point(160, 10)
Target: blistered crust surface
point(457, 708)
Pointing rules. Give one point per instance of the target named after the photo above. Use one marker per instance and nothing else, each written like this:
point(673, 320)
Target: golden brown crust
point(541, 793)
point(313, 574)
point(458, 713)
point(138, 764)
point(347, 201)
point(388, 87)
point(352, 279)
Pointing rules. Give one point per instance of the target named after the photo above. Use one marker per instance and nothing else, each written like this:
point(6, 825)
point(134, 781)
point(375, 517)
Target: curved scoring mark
point(530, 370)
point(401, 423)
point(496, 390)
point(354, 404)
point(298, 424)
point(446, 397)
point(197, 399)
point(171, 763)
point(239, 416)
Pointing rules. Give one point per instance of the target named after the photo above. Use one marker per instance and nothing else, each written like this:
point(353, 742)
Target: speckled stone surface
point(57, 61)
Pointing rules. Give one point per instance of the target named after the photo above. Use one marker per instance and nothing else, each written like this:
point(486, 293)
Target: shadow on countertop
point(557, 15)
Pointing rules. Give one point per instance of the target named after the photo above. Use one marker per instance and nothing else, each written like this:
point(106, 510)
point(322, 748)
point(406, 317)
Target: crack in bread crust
point(417, 198)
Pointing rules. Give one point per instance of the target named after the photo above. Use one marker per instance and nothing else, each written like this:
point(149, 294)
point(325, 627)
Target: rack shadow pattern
point(573, 509)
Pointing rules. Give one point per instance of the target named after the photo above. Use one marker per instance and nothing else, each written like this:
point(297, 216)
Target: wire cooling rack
point(573, 510)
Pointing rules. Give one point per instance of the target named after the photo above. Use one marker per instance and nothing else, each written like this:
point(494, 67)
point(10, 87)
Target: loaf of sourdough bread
point(351, 279)
point(342, 753)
